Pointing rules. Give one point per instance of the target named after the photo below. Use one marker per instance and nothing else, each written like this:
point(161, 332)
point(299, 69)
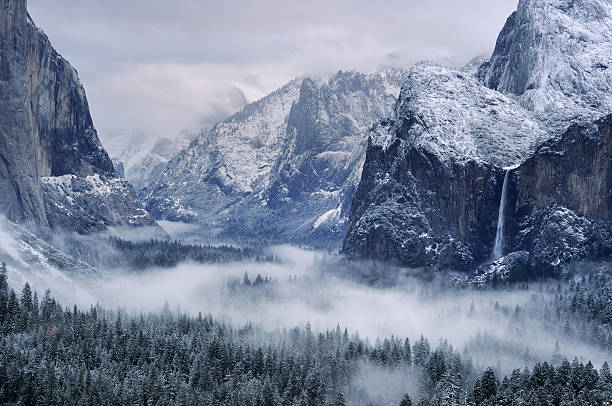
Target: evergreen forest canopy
point(51, 354)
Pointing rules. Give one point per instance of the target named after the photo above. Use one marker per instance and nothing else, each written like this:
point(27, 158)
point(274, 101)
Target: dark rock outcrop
point(560, 200)
point(430, 187)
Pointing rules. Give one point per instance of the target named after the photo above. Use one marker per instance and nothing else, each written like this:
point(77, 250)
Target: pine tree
point(604, 373)
point(407, 352)
point(258, 280)
point(340, 400)
point(26, 298)
point(421, 352)
point(450, 390)
point(3, 278)
point(557, 357)
point(488, 384)
point(4, 295)
point(13, 312)
point(406, 401)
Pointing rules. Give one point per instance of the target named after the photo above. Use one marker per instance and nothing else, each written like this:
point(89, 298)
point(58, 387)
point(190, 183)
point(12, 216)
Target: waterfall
point(499, 236)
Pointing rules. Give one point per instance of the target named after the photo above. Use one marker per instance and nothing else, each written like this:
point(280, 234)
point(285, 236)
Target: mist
point(505, 328)
point(307, 288)
point(160, 67)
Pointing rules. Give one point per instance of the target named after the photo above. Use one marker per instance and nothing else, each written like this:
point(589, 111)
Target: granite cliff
point(285, 167)
point(46, 129)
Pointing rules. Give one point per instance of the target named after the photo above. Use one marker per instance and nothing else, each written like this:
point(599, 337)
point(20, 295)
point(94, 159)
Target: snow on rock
point(513, 267)
point(233, 157)
point(30, 259)
point(328, 216)
point(91, 203)
point(281, 163)
point(540, 108)
point(555, 58)
point(455, 117)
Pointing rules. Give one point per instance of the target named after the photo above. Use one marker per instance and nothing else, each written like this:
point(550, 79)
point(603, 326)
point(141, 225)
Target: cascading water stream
point(499, 236)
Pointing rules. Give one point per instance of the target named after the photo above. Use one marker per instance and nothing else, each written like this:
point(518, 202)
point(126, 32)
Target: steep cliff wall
point(430, 187)
point(46, 129)
point(560, 200)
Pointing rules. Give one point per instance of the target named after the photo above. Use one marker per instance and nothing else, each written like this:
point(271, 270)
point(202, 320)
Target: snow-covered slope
point(456, 118)
point(220, 165)
point(293, 150)
point(92, 203)
point(30, 259)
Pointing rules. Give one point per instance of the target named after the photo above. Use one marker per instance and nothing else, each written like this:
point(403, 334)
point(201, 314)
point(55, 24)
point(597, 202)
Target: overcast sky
point(160, 66)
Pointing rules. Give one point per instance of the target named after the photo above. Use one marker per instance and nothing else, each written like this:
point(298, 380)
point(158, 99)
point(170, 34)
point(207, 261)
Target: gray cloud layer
point(160, 66)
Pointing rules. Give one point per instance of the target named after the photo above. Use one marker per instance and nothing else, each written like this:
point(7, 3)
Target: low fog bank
point(306, 287)
point(303, 288)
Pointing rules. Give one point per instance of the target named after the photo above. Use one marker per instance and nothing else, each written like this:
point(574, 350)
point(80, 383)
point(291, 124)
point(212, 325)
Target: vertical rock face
point(45, 125)
point(283, 168)
point(223, 165)
point(320, 165)
point(432, 181)
point(561, 198)
point(20, 146)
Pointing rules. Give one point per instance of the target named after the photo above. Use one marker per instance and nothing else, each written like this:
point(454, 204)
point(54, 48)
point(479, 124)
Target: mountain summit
point(533, 122)
point(554, 57)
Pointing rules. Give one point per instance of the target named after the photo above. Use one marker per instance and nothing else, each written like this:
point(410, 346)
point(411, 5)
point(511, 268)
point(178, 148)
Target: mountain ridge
point(245, 174)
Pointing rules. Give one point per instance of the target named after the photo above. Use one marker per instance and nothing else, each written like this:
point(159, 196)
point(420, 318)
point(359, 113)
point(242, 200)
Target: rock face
point(284, 168)
point(560, 200)
point(432, 180)
point(45, 125)
point(430, 186)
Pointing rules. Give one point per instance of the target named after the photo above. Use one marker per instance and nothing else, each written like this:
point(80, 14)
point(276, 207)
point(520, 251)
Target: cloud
point(160, 67)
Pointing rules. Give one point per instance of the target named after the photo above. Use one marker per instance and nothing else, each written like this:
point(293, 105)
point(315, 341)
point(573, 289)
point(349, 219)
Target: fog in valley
point(507, 328)
point(301, 286)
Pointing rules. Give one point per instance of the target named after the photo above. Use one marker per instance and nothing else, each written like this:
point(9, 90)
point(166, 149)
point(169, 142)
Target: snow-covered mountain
point(285, 167)
point(143, 160)
point(46, 131)
point(430, 193)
